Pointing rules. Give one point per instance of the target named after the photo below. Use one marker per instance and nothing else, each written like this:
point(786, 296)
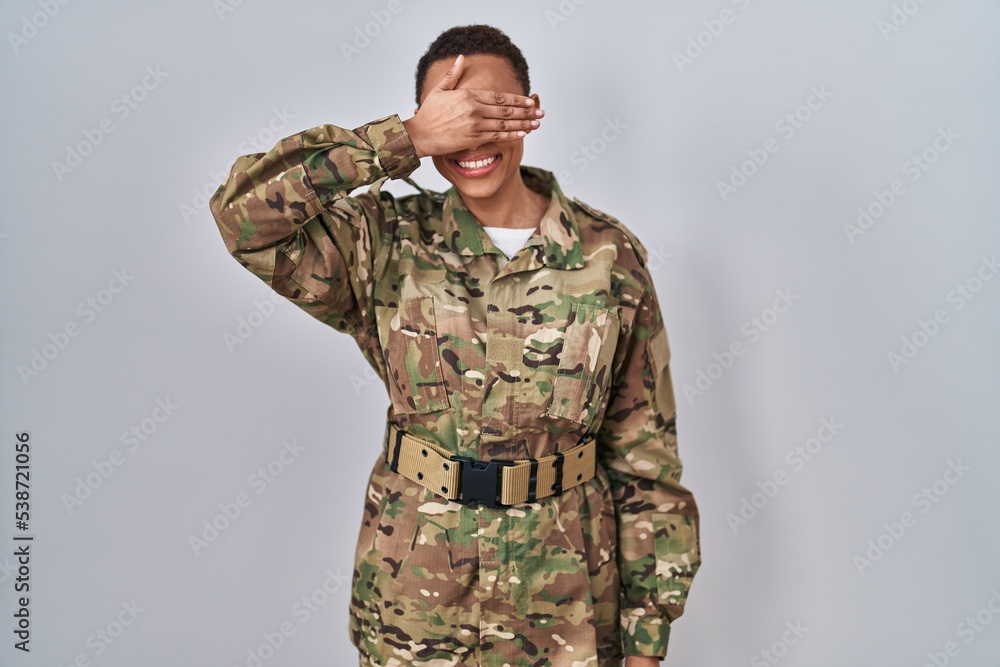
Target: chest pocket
point(413, 358)
point(585, 363)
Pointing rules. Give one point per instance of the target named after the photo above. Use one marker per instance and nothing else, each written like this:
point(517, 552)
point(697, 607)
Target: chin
point(480, 189)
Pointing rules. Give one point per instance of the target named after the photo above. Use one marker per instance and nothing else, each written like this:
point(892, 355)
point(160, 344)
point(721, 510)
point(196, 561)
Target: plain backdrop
point(815, 183)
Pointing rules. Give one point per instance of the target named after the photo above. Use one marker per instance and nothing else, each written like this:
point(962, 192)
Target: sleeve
point(657, 518)
point(286, 216)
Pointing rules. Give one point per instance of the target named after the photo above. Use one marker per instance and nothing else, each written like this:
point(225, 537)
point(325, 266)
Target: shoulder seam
point(633, 240)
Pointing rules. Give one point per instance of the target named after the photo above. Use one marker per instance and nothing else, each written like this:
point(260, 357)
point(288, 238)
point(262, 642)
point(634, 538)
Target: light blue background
point(717, 265)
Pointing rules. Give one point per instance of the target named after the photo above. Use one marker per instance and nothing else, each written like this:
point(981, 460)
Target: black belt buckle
point(480, 481)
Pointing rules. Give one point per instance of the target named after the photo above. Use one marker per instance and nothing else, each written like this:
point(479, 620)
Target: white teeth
point(477, 164)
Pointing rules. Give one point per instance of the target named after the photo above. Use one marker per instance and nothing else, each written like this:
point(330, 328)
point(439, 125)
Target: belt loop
point(395, 451)
point(533, 480)
point(557, 487)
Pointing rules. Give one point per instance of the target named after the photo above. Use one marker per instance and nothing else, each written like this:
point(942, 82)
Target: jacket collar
point(557, 239)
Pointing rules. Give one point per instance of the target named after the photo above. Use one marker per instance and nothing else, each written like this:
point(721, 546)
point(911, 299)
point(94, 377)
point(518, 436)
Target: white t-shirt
point(509, 240)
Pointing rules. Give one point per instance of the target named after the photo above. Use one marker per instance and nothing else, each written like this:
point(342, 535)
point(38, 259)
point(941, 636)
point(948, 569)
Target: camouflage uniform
point(489, 358)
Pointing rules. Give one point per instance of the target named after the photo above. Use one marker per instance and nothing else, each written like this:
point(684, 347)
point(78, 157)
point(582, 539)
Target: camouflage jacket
point(489, 358)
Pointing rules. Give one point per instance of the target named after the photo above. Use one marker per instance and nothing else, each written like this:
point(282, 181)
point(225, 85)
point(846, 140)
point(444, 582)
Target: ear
point(534, 96)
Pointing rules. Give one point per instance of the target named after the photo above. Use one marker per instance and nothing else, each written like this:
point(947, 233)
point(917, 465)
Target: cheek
point(441, 164)
point(512, 156)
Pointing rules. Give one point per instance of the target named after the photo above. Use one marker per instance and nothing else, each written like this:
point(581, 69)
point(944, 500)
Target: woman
point(509, 324)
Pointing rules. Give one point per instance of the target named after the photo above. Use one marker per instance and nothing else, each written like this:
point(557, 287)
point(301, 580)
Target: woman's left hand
point(641, 661)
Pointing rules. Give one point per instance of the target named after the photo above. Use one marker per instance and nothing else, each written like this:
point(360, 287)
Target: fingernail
point(520, 133)
point(539, 112)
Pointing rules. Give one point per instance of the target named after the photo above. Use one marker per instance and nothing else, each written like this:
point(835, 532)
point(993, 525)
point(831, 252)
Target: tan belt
point(494, 483)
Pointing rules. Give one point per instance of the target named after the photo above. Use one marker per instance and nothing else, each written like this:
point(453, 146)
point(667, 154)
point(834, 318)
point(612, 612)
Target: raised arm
point(286, 215)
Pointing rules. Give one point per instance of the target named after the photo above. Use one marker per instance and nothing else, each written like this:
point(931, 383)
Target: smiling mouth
point(476, 164)
point(477, 167)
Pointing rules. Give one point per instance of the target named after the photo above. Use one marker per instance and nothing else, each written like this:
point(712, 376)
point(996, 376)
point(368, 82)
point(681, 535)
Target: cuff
point(645, 636)
point(393, 149)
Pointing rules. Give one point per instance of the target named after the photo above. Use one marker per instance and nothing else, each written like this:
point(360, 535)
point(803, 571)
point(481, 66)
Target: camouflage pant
point(366, 661)
point(564, 613)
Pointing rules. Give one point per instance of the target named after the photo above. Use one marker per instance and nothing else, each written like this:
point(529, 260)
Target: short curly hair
point(468, 40)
